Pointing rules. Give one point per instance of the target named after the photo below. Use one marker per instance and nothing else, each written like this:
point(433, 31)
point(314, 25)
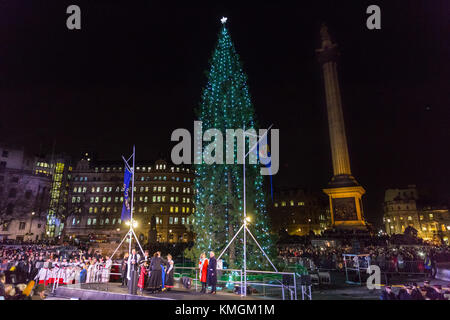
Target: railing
point(270, 283)
point(405, 267)
point(267, 283)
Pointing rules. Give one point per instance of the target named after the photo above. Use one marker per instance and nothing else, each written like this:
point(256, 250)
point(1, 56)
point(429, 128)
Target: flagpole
point(132, 199)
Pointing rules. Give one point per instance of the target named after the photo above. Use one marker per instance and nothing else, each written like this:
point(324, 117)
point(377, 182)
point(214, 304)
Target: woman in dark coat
point(155, 281)
point(212, 273)
point(169, 273)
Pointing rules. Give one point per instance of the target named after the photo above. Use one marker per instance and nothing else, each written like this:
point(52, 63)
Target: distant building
point(403, 208)
point(58, 168)
point(24, 196)
point(161, 190)
point(299, 212)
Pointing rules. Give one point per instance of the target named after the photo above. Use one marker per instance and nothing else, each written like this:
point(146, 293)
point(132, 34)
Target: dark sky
point(135, 72)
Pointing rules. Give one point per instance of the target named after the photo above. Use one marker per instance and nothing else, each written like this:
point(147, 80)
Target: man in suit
point(133, 265)
point(133, 261)
point(212, 272)
point(124, 270)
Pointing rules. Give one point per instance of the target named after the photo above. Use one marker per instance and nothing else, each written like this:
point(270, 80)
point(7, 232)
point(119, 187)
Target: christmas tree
point(226, 104)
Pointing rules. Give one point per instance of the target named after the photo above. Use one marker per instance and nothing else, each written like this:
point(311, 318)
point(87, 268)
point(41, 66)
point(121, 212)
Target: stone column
point(339, 151)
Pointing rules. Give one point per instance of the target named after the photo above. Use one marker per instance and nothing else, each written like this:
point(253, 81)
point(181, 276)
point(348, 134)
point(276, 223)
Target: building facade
point(58, 168)
point(299, 212)
point(161, 190)
point(24, 197)
point(402, 208)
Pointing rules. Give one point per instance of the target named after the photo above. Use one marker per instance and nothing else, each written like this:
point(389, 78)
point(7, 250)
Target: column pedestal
point(345, 203)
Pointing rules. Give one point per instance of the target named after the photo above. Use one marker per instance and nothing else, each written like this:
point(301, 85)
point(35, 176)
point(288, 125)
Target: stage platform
point(113, 291)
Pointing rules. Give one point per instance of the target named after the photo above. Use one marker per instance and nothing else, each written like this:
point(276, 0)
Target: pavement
point(179, 293)
point(338, 290)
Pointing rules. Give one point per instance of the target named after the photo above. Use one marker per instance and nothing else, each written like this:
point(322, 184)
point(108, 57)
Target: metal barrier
point(270, 285)
point(267, 284)
point(405, 267)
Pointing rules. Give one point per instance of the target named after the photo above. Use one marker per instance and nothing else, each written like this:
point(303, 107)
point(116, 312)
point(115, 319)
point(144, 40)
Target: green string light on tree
point(226, 104)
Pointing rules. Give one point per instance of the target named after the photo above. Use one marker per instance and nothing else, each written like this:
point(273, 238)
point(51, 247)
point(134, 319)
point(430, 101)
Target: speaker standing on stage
point(155, 281)
point(133, 260)
point(212, 272)
point(169, 279)
point(203, 266)
point(124, 270)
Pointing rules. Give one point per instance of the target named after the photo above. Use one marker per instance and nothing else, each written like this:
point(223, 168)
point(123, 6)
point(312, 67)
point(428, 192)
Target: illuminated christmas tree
point(226, 104)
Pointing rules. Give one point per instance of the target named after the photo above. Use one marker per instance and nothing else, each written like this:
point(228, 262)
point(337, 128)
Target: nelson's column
point(343, 190)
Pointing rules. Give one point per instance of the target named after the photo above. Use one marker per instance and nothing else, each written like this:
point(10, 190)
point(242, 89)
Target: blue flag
point(126, 209)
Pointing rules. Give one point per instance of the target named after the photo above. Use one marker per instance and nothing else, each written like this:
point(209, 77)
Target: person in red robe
point(141, 282)
point(203, 266)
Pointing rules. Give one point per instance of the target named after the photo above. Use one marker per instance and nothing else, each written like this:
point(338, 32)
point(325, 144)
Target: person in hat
point(403, 294)
point(437, 294)
point(428, 289)
point(387, 294)
point(416, 293)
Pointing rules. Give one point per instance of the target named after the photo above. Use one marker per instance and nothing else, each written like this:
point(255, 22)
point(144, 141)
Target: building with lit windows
point(58, 168)
point(299, 212)
point(403, 208)
point(161, 190)
point(24, 197)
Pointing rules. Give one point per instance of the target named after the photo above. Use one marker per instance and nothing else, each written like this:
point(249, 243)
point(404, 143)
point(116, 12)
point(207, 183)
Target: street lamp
point(135, 223)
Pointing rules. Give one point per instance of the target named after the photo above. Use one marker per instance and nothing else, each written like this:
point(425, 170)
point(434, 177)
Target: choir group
point(74, 271)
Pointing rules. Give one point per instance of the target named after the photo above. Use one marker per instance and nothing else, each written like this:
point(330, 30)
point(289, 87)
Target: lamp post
point(31, 222)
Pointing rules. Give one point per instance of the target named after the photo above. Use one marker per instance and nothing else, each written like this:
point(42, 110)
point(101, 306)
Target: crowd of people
point(45, 267)
point(415, 292)
point(49, 265)
point(416, 259)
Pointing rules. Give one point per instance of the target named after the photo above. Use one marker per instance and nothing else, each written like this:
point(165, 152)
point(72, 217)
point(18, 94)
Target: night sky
point(135, 72)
